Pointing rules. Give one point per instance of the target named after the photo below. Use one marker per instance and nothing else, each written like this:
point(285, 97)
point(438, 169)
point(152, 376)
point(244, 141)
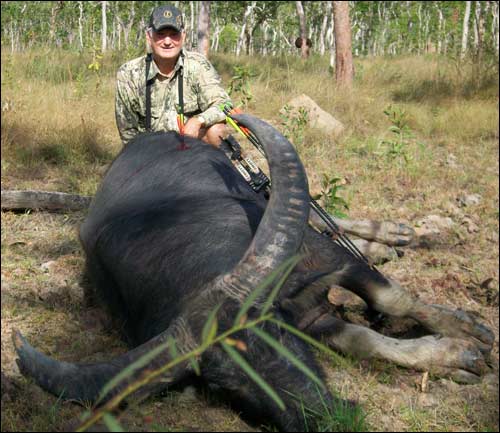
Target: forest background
point(419, 145)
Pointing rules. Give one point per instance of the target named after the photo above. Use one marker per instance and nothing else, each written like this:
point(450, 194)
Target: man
point(180, 82)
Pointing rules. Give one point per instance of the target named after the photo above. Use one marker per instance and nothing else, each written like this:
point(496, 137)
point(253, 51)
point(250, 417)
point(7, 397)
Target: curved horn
point(84, 382)
point(281, 230)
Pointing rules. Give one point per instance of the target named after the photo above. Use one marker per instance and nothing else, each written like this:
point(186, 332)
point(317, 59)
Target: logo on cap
point(167, 14)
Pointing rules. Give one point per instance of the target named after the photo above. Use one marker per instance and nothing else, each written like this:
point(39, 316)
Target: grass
point(58, 133)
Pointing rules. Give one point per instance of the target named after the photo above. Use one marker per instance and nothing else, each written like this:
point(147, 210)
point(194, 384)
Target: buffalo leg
point(388, 297)
point(449, 357)
point(384, 232)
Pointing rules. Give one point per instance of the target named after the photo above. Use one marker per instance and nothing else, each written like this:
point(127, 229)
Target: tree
point(303, 42)
point(465, 31)
point(344, 71)
point(104, 27)
point(204, 28)
point(248, 12)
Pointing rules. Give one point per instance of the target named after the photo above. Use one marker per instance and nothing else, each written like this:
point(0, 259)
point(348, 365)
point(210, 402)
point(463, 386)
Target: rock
point(491, 380)
point(318, 118)
point(451, 161)
point(454, 210)
point(471, 226)
point(426, 400)
point(466, 200)
point(433, 225)
point(47, 266)
point(451, 387)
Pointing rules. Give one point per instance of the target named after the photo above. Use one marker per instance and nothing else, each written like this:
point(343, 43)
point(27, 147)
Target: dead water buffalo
point(173, 233)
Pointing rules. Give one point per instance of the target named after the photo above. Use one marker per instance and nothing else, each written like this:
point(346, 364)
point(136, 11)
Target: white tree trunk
point(80, 24)
point(241, 39)
point(480, 14)
point(475, 26)
point(191, 28)
point(127, 28)
point(104, 26)
point(304, 48)
point(440, 29)
point(324, 24)
point(465, 32)
point(214, 46)
point(494, 25)
point(12, 45)
point(331, 38)
point(265, 27)
point(273, 43)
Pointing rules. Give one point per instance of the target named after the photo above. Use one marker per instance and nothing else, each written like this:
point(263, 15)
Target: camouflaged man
point(171, 71)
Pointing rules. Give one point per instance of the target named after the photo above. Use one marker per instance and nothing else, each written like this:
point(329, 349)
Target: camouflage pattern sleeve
point(212, 94)
point(126, 114)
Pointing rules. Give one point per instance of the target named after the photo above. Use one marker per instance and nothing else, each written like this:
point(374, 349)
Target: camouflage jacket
point(203, 93)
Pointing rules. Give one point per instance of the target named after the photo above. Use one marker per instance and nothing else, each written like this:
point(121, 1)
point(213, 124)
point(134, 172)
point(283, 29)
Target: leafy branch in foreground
point(231, 345)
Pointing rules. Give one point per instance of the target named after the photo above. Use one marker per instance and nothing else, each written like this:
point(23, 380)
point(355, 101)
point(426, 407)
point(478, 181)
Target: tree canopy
point(271, 28)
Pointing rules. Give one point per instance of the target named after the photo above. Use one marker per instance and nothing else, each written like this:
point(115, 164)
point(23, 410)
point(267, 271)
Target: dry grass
point(59, 134)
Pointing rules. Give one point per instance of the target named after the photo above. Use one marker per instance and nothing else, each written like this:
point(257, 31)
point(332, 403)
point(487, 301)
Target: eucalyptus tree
point(344, 71)
point(204, 28)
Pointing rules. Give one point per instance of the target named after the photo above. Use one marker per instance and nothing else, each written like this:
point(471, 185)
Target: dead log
point(44, 200)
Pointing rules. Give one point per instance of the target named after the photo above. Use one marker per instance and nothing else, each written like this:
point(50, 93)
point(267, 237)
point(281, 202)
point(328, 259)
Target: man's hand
point(192, 127)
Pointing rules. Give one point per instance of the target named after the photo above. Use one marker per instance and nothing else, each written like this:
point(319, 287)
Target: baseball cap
point(166, 16)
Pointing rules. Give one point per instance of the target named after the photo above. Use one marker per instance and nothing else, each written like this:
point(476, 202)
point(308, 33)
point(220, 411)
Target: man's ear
point(149, 48)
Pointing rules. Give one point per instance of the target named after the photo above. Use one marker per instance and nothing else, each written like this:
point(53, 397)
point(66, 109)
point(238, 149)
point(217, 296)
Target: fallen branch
point(44, 200)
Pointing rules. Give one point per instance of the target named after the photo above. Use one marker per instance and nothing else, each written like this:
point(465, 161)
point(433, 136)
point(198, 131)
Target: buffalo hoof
point(377, 253)
point(395, 234)
point(457, 324)
point(460, 360)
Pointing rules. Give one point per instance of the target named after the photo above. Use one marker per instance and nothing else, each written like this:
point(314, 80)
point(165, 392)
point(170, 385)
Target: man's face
point(166, 43)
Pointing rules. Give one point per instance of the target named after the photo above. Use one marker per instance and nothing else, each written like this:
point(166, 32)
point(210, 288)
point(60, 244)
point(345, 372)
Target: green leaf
point(172, 348)
point(283, 351)
point(210, 328)
point(255, 293)
point(112, 423)
point(253, 374)
point(132, 368)
point(288, 265)
point(196, 367)
point(341, 361)
point(334, 180)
